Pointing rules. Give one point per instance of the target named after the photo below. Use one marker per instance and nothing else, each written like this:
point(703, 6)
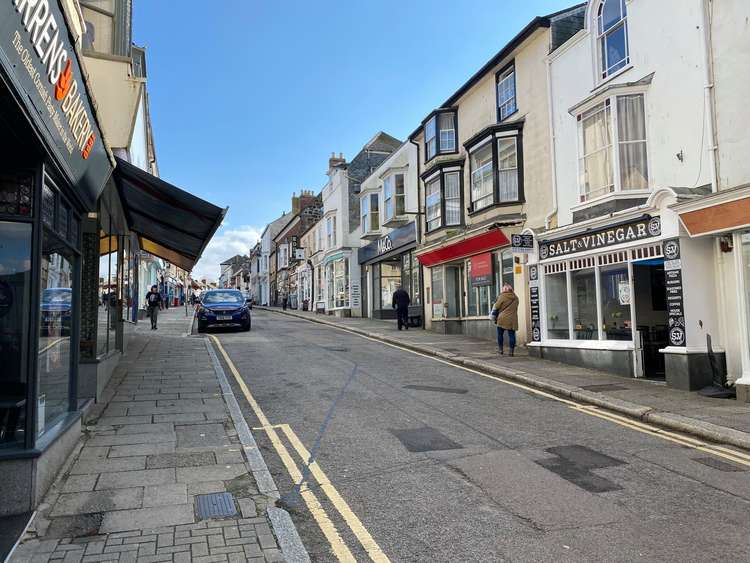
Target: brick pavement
point(128, 493)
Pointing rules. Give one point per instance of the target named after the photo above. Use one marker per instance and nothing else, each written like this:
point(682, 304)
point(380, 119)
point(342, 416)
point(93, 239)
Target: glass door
point(454, 294)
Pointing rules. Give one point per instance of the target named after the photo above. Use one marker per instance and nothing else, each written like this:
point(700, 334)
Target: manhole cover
point(436, 389)
point(425, 439)
point(215, 505)
point(604, 387)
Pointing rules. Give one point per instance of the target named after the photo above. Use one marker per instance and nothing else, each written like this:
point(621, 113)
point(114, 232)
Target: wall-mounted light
point(681, 156)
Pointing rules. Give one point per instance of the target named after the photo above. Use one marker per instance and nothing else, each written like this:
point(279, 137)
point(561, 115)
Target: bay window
point(506, 93)
point(443, 199)
point(481, 178)
point(330, 232)
point(507, 169)
point(434, 204)
point(495, 171)
point(370, 213)
point(612, 35)
point(394, 196)
point(601, 130)
point(440, 134)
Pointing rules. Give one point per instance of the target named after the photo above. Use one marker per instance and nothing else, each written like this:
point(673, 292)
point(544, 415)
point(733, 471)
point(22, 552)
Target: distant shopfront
point(463, 280)
point(387, 264)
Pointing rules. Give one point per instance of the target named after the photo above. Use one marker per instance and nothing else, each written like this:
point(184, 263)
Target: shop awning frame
point(492, 239)
point(718, 213)
point(170, 223)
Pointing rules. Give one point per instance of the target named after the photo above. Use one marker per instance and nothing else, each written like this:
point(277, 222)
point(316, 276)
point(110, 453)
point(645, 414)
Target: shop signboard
point(536, 328)
point(522, 244)
point(675, 304)
point(481, 270)
point(643, 228)
point(39, 57)
point(397, 240)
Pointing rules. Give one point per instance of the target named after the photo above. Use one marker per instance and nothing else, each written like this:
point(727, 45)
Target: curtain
point(597, 141)
point(631, 131)
point(507, 157)
point(481, 177)
point(452, 199)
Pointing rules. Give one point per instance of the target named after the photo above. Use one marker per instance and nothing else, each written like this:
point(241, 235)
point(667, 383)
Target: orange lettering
point(63, 83)
point(89, 145)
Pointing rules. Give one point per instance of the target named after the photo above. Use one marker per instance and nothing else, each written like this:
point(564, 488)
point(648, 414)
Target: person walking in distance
point(154, 302)
point(505, 313)
point(401, 302)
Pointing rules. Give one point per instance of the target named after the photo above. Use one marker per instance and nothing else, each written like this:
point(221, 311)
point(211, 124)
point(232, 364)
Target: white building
point(341, 218)
point(388, 230)
point(629, 122)
point(266, 247)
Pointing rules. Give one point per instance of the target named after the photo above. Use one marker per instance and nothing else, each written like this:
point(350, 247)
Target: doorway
point(454, 291)
point(651, 315)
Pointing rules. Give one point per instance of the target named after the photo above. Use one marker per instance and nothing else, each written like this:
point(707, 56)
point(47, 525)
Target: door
point(454, 293)
point(651, 314)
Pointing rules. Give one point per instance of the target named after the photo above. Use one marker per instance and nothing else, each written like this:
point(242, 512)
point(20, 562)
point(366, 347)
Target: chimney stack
point(335, 162)
point(295, 204)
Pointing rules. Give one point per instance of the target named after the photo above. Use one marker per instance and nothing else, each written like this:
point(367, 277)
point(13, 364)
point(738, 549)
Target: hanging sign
point(522, 244)
point(481, 270)
point(37, 52)
point(643, 228)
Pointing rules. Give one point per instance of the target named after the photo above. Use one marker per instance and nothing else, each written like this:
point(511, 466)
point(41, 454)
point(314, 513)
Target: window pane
point(610, 13)
point(432, 199)
point(447, 133)
point(507, 156)
point(390, 281)
point(388, 197)
point(596, 141)
point(400, 195)
point(452, 198)
point(472, 301)
point(374, 212)
point(584, 304)
point(416, 287)
point(506, 94)
point(481, 177)
point(99, 32)
point(615, 50)
point(631, 129)
point(484, 301)
point(15, 312)
point(616, 296)
point(507, 268)
point(54, 337)
point(429, 136)
point(437, 292)
point(556, 295)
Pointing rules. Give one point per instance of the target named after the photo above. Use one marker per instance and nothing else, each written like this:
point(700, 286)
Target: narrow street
point(441, 464)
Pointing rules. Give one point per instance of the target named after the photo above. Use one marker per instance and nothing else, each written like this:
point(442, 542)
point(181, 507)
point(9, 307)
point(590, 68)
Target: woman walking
point(505, 311)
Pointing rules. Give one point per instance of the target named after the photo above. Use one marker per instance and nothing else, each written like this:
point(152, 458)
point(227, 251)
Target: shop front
point(609, 295)
point(387, 264)
point(53, 167)
point(463, 281)
point(342, 284)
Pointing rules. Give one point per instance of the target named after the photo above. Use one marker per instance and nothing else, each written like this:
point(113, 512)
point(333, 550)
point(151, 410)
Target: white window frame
point(506, 82)
point(478, 178)
point(331, 232)
point(610, 106)
point(517, 197)
point(436, 135)
point(604, 69)
point(392, 196)
point(370, 210)
point(437, 218)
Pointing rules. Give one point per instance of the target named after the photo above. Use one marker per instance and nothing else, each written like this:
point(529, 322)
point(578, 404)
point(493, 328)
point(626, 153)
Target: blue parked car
point(57, 305)
point(223, 307)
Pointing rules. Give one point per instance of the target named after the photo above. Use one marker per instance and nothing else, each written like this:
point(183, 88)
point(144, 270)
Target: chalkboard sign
point(673, 282)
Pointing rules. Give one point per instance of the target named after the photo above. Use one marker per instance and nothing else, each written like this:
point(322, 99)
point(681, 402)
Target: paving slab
point(124, 479)
point(98, 501)
point(163, 495)
point(145, 518)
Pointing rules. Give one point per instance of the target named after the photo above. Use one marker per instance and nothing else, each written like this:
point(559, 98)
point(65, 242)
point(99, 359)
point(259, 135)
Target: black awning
point(170, 223)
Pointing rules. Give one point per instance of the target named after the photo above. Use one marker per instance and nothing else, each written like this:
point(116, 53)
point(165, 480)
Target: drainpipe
point(709, 101)
point(553, 159)
point(418, 226)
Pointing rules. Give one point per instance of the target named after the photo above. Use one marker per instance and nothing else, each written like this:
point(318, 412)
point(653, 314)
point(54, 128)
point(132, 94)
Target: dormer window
point(612, 33)
point(440, 134)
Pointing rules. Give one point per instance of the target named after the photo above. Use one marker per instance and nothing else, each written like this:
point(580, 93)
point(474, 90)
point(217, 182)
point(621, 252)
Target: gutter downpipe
point(706, 13)
point(553, 158)
point(418, 226)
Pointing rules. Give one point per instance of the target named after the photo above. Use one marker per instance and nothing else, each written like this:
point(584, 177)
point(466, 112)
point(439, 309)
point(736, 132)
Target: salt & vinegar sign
point(37, 53)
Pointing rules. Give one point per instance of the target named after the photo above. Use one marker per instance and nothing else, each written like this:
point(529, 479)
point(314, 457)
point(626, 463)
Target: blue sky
point(249, 98)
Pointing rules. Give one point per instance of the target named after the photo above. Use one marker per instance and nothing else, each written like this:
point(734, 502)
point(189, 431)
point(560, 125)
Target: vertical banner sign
point(675, 305)
point(481, 270)
point(536, 329)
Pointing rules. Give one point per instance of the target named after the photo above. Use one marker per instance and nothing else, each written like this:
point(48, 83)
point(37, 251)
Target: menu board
point(675, 303)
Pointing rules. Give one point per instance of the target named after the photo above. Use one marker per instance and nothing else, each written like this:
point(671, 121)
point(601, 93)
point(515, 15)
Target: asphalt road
point(441, 464)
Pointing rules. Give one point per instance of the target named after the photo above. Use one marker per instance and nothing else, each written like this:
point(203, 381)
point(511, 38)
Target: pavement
point(716, 420)
point(404, 456)
point(169, 436)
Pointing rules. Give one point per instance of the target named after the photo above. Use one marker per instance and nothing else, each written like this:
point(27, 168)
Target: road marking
point(53, 344)
point(340, 549)
point(592, 410)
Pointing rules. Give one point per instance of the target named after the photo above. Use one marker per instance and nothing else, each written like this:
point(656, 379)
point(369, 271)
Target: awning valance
point(718, 213)
point(490, 240)
point(170, 223)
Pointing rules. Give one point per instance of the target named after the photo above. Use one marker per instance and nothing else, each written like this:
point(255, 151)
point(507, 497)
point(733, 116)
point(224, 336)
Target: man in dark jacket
point(401, 302)
point(154, 303)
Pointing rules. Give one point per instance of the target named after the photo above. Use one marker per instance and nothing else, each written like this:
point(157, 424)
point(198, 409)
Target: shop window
point(601, 130)
point(341, 283)
point(55, 325)
point(15, 315)
point(612, 33)
point(390, 281)
point(410, 277)
point(16, 194)
point(583, 292)
point(437, 292)
point(556, 301)
point(440, 134)
point(616, 293)
point(394, 196)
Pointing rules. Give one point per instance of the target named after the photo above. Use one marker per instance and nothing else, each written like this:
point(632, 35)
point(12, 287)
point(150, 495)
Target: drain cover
point(215, 505)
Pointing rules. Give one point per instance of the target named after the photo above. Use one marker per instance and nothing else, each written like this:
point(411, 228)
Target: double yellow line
point(326, 525)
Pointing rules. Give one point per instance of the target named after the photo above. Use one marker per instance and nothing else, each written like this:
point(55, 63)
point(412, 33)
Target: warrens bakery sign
point(37, 52)
point(643, 228)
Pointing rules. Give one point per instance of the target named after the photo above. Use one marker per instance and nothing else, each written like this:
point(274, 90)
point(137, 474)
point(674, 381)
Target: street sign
point(522, 244)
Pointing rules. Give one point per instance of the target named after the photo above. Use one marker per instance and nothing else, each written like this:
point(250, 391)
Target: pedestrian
point(154, 303)
point(505, 313)
point(284, 302)
point(401, 302)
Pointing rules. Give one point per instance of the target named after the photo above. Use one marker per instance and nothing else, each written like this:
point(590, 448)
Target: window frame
point(395, 197)
point(367, 213)
point(112, 15)
point(610, 103)
point(439, 174)
point(493, 137)
point(434, 119)
point(500, 76)
point(604, 69)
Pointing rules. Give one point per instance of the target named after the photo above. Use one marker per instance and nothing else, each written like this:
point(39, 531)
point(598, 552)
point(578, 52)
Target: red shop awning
point(465, 248)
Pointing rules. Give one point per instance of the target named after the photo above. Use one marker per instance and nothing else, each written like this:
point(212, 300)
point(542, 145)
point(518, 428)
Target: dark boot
point(511, 351)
